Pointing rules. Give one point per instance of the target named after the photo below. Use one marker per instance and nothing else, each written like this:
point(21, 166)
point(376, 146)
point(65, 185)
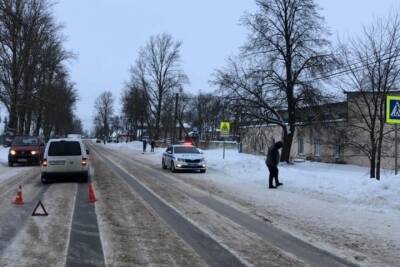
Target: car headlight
point(13, 152)
point(34, 152)
point(181, 159)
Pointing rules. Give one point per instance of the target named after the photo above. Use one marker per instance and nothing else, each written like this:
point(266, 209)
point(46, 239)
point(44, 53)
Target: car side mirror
point(87, 152)
point(169, 152)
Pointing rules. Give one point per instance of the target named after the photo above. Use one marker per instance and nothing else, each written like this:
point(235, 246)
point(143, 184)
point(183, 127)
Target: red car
point(26, 150)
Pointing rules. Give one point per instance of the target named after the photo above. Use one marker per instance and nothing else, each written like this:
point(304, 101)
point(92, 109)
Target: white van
point(65, 157)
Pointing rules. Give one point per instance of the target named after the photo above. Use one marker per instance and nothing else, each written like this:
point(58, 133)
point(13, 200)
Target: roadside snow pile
point(332, 182)
point(5, 171)
point(248, 175)
point(3, 155)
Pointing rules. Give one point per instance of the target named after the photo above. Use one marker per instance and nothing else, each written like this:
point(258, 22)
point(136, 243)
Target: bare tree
point(158, 71)
point(135, 109)
point(31, 65)
point(373, 71)
point(286, 48)
point(209, 111)
point(103, 113)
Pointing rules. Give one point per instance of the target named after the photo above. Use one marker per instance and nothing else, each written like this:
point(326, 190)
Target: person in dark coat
point(144, 145)
point(272, 162)
point(152, 144)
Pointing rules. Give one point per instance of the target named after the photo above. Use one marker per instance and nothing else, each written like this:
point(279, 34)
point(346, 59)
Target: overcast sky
point(106, 36)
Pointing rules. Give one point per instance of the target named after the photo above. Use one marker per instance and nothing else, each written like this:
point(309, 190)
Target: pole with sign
point(224, 128)
point(393, 117)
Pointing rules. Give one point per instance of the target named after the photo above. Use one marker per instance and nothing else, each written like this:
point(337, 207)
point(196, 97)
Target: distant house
point(321, 137)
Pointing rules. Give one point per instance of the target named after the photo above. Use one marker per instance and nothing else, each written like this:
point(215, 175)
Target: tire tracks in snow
point(131, 233)
point(210, 250)
point(302, 250)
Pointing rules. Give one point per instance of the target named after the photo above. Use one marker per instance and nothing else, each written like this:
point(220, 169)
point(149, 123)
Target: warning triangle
point(39, 210)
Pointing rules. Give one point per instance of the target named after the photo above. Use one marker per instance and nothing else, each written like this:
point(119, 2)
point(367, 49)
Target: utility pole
point(175, 117)
point(395, 149)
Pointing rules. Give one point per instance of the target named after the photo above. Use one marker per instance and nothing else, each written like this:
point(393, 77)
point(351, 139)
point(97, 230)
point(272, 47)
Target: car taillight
point(44, 163)
point(84, 161)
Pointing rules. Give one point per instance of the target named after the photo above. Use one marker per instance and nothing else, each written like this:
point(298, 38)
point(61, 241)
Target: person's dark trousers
point(152, 149)
point(273, 174)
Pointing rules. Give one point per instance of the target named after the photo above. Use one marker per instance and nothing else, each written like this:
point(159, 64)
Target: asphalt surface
point(85, 247)
point(304, 251)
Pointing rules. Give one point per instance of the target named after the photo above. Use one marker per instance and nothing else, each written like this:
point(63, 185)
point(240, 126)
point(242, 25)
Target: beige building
point(337, 135)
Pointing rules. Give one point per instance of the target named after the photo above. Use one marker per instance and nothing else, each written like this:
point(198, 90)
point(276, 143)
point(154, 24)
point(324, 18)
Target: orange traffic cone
point(92, 195)
point(18, 197)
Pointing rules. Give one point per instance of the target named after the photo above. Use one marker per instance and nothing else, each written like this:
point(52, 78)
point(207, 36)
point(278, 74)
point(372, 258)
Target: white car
point(183, 157)
point(63, 158)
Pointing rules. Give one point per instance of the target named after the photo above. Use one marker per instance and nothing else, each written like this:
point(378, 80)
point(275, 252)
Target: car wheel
point(10, 163)
point(173, 167)
point(163, 164)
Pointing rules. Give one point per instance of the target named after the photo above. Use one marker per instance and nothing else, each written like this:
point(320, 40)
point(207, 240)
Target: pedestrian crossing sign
point(393, 109)
point(224, 127)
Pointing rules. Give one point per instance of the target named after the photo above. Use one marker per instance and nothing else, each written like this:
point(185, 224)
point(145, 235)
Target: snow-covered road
point(333, 207)
point(336, 207)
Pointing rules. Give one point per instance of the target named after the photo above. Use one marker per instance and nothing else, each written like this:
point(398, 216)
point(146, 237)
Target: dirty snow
point(131, 234)
point(43, 241)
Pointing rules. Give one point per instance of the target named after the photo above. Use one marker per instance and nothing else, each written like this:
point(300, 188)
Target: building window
point(301, 146)
point(317, 146)
point(338, 151)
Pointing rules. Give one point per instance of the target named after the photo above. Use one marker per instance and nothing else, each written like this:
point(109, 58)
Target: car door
point(167, 156)
point(55, 155)
point(74, 156)
point(65, 156)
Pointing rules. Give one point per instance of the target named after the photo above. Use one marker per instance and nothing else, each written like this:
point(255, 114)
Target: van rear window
point(65, 148)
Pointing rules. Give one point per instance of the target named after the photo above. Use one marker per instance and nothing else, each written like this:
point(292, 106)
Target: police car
point(183, 157)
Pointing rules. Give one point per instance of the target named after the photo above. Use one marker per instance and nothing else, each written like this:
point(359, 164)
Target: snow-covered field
point(337, 207)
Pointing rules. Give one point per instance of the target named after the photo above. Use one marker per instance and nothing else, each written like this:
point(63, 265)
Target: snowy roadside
point(3, 155)
point(336, 207)
point(5, 171)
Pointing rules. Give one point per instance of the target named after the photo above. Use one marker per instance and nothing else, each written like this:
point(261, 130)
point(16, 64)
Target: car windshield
point(65, 148)
point(25, 141)
point(186, 150)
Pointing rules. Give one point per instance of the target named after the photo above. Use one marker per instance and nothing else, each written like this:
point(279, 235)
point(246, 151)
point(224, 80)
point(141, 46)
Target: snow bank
point(3, 155)
point(5, 171)
point(248, 175)
point(332, 182)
